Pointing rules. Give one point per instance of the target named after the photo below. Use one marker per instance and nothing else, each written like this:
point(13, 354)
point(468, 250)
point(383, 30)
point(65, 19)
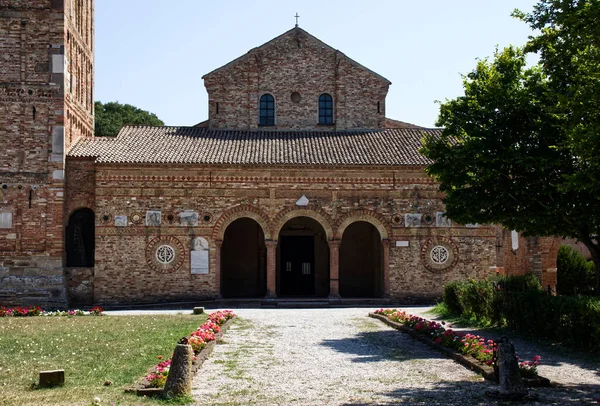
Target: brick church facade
point(297, 185)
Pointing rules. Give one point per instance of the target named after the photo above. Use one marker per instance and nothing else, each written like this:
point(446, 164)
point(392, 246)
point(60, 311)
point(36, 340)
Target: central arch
point(302, 258)
point(243, 260)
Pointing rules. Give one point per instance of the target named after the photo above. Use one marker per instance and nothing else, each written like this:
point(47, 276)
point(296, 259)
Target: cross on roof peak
point(297, 17)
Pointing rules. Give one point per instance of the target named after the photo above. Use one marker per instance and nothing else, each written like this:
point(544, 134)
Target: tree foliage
point(112, 116)
point(521, 147)
point(575, 275)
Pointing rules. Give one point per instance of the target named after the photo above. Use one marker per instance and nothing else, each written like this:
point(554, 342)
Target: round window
point(296, 97)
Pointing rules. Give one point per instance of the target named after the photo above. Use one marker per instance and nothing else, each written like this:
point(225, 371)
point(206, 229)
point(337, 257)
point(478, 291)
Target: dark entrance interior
point(303, 265)
point(361, 259)
point(80, 239)
point(243, 260)
point(297, 265)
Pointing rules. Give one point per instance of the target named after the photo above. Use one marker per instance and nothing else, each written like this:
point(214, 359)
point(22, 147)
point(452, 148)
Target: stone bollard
point(179, 381)
point(511, 386)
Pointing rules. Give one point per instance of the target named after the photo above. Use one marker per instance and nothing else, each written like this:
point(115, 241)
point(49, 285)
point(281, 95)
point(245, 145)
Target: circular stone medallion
point(439, 254)
point(165, 254)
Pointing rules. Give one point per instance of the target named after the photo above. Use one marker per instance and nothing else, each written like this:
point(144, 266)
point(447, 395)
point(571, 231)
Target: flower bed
point(202, 341)
point(33, 311)
point(470, 350)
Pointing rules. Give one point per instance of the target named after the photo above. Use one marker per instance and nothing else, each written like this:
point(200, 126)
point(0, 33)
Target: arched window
point(80, 239)
point(325, 109)
point(267, 110)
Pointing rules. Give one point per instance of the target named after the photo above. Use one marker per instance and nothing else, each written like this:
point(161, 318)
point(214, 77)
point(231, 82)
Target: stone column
point(271, 269)
point(218, 244)
point(334, 269)
point(386, 267)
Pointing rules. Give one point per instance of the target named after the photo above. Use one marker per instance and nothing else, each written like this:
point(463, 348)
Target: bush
point(575, 274)
point(520, 303)
point(451, 297)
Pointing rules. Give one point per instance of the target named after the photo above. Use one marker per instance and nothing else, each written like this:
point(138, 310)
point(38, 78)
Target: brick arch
point(239, 212)
point(310, 211)
point(376, 219)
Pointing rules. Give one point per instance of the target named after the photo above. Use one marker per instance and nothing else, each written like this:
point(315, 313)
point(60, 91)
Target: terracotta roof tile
point(196, 145)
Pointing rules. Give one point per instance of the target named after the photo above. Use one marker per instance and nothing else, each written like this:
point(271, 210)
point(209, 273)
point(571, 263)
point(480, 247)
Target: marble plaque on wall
point(188, 218)
point(121, 221)
point(412, 220)
point(5, 219)
point(153, 218)
point(441, 220)
point(199, 256)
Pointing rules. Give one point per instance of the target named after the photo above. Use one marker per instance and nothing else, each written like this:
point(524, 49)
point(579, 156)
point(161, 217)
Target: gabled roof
point(196, 145)
point(295, 31)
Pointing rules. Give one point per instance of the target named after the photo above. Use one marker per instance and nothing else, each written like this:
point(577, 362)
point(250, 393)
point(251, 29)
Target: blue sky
point(153, 54)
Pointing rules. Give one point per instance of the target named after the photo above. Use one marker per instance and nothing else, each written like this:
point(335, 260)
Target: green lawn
point(91, 350)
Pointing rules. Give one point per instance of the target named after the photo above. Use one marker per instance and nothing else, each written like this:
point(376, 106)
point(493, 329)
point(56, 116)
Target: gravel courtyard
point(338, 357)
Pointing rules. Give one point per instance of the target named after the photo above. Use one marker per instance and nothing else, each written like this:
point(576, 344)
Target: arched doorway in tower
point(80, 239)
point(243, 260)
point(361, 262)
point(303, 259)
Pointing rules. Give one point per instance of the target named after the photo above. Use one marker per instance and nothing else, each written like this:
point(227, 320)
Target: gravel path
point(336, 357)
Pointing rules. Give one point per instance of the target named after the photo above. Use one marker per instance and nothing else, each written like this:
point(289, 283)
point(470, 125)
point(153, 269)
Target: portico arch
point(244, 211)
point(375, 219)
point(316, 214)
point(361, 261)
point(243, 260)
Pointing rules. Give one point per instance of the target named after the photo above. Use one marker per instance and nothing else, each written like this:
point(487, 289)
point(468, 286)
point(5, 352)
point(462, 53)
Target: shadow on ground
point(473, 393)
point(376, 346)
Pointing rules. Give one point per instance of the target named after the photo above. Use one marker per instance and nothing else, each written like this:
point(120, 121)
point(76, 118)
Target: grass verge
point(92, 351)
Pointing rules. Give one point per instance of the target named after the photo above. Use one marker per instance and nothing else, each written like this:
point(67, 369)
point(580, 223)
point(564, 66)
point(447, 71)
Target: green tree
point(575, 274)
point(521, 146)
point(112, 116)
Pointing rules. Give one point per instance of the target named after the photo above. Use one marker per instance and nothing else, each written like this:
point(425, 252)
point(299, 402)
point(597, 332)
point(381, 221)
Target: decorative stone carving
point(199, 257)
point(165, 254)
point(136, 218)
point(427, 219)
point(188, 218)
point(441, 220)
point(439, 254)
point(412, 220)
point(153, 218)
point(121, 221)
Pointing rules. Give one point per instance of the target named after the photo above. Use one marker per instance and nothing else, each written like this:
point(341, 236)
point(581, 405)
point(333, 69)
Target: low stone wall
point(80, 286)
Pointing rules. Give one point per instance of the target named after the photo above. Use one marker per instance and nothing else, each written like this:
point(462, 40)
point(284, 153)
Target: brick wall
point(296, 62)
point(32, 145)
point(269, 195)
point(535, 255)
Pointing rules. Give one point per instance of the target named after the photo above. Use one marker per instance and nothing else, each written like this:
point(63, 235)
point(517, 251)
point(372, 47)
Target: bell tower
point(46, 104)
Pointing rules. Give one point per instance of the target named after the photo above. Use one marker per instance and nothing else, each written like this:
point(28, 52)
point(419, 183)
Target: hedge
point(521, 304)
